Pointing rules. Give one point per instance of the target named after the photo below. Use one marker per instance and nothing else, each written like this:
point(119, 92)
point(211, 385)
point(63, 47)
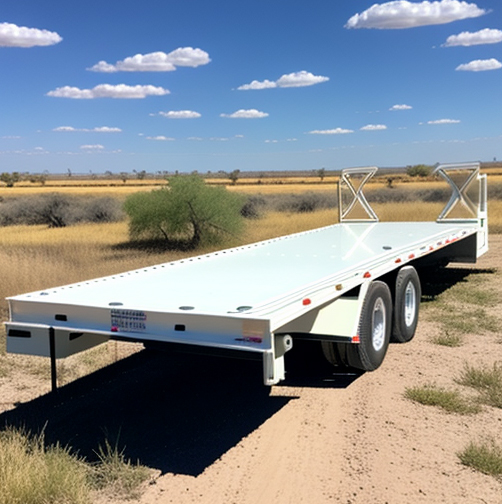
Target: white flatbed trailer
point(337, 284)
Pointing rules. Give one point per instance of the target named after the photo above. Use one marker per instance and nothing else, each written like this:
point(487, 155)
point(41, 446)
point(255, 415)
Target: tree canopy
point(185, 214)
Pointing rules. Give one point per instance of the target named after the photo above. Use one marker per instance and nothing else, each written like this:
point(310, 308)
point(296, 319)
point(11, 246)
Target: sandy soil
point(216, 435)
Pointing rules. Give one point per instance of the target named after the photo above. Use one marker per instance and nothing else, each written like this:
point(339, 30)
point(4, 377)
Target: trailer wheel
point(374, 329)
point(335, 353)
point(406, 304)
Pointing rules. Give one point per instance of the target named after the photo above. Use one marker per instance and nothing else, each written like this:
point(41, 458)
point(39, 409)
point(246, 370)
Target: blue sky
point(252, 85)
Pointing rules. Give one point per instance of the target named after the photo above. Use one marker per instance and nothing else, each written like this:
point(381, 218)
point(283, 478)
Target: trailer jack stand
point(52, 348)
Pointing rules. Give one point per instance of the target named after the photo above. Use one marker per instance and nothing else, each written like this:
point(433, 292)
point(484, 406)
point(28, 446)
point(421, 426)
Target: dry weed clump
point(31, 473)
point(486, 380)
point(450, 401)
point(485, 456)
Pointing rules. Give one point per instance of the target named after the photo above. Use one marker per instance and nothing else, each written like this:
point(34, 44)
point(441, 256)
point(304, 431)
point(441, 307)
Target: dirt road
point(217, 436)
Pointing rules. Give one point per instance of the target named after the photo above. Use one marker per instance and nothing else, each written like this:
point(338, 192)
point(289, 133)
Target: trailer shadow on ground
point(177, 413)
point(435, 282)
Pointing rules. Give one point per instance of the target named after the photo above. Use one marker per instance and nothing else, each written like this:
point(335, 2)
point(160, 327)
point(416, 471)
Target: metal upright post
point(52, 348)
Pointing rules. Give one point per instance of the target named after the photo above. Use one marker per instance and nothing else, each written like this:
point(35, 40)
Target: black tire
point(406, 304)
point(335, 353)
point(375, 325)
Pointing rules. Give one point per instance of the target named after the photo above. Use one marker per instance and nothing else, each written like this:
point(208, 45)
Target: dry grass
point(30, 473)
point(487, 381)
point(485, 457)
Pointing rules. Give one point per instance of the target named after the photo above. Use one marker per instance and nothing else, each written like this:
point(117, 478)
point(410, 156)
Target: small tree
point(419, 170)
point(321, 173)
point(10, 178)
point(186, 214)
point(234, 176)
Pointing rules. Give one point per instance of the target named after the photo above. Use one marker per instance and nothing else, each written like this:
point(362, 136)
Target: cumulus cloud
point(486, 36)
point(295, 79)
point(156, 62)
point(403, 14)
point(95, 147)
point(246, 114)
point(374, 127)
point(180, 114)
point(108, 91)
point(444, 121)
point(160, 138)
point(100, 129)
point(12, 35)
point(266, 84)
point(336, 131)
point(401, 107)
point(300, 79)
point(480, 65)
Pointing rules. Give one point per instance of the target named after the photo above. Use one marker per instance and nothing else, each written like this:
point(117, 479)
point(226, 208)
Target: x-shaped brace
point(459, 192)
point(357, 194)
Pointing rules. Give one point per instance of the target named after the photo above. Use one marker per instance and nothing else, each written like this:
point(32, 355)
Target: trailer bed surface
point(248, 279)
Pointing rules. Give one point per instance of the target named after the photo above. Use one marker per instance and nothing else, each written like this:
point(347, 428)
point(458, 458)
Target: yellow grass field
point(269, 185)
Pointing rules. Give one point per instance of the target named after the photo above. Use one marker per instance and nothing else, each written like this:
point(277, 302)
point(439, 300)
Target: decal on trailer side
point(128, 320)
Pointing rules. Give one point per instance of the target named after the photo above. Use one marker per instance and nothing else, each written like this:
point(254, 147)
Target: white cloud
point(95, 147)
point(295, 79)
point(336, 131)
point(444, 121)
point(180, 114)
point(486, 36)
point(403, 14)
point(156, 61)
point(161, 138)
point(300, 79)
point(12, 35)
point(108, 91)
point(105, 129)
point(480, 65)
point(401, 107)
point(266, 84)
point(374, 127)
point(100, 129)
point(246, 114)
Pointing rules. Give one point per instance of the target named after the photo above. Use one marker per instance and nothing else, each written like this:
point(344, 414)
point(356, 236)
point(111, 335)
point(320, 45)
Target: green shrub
point(186, 214)
point(419, 170)
point(485, 457)
point(449, 400)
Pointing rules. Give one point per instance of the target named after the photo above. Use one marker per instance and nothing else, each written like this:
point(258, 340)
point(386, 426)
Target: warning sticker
point(128, 320)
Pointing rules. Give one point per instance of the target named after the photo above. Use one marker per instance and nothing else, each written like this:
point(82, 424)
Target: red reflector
point(411, 256)
point(397, 261)
point(367, 275)
point(355, 339)
point(306, 302)
point(431, 248)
